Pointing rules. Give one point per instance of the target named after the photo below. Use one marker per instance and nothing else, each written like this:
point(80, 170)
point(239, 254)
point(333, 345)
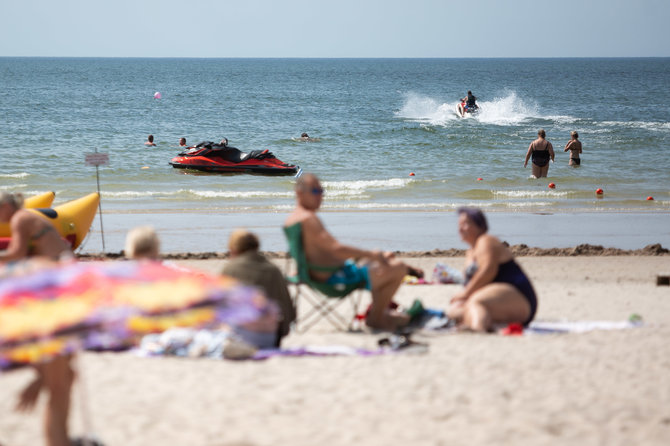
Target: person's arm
point(567, 146)
point(551, 151)
point(530, 151)
point(321, 240)
point(486, 254)
point(18, 245)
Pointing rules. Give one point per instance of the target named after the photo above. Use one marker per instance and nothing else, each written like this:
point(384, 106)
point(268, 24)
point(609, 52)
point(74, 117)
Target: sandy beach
point(596, 388)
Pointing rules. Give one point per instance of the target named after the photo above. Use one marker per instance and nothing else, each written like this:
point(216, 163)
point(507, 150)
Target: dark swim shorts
point(349, 274)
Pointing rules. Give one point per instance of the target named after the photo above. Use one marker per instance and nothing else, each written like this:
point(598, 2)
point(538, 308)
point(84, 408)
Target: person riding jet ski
point(468, 104)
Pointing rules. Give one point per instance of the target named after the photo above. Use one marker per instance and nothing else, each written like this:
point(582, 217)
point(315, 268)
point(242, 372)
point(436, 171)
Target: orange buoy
point(480, 179)
point(650, 198)
point(552, 186)
point(411, 174)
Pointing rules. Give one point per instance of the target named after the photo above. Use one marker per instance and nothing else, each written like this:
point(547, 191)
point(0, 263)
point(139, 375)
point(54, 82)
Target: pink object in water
point(157, 95)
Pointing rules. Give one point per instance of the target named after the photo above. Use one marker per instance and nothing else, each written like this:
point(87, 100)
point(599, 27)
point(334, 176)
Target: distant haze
point(343, 28)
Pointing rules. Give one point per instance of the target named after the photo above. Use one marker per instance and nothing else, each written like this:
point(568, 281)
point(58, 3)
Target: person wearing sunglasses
point(342, 265)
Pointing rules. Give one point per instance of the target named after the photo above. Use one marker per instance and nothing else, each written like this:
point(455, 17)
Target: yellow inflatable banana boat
point(73, 219)
point(38, 201)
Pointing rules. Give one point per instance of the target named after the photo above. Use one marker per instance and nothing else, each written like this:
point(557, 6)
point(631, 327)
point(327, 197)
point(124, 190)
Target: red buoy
point(552, 186)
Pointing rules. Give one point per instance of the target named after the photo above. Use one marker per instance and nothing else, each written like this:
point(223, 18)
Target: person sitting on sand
point(182, 142)
point(34, 236)
point(142, 243)
point(541, 151)
point(150, 141)
point(575, 148)
point(496, 290)
point(252, 268)
point(381, 272)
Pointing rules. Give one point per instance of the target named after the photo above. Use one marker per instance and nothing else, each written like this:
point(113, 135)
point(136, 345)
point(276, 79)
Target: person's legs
point(537, 171)
point(385, 279)
point(57, 377)
point(495, 303)
point(544, 171)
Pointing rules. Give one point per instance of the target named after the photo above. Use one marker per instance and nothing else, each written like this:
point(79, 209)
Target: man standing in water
point(381, 272)
point(575, 148)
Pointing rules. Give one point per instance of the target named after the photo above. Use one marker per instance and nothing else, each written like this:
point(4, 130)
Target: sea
point(394, 157)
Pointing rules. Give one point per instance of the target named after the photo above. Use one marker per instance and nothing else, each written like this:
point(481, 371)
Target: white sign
point(97, 159)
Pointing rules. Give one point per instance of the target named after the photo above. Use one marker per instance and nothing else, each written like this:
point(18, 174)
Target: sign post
point(98, 159)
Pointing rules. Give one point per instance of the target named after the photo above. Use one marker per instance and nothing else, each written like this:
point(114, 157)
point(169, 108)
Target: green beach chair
point(323, 298)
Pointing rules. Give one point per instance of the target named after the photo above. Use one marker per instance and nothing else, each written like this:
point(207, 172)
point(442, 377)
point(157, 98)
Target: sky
point(332, 29)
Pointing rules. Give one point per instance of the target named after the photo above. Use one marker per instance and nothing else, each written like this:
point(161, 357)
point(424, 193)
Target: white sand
point(598, 388)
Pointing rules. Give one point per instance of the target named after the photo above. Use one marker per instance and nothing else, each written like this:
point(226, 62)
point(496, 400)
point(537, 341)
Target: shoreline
point(398, 231)
point(520, 250)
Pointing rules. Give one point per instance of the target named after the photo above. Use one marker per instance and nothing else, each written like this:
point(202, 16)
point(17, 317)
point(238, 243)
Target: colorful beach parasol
point(110, 305)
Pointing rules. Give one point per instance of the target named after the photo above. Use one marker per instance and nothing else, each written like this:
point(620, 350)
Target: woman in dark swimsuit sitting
point(33, 236)
point(496, 289)
point(541, 151)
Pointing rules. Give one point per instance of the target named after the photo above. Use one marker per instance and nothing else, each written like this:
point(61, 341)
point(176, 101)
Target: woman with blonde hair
point(142, 243)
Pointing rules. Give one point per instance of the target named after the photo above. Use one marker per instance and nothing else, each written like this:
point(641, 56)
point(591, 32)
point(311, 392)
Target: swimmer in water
point(305, 137)
point(150, 141)
point(182, 142)
point(575, 148)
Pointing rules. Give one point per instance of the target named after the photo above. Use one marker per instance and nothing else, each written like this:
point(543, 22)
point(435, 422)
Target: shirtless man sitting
point(381, 272)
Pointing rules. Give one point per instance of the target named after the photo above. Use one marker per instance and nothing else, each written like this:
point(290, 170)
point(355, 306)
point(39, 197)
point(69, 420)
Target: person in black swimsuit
point(33, 236)
point(496, 290)
point(541, 152)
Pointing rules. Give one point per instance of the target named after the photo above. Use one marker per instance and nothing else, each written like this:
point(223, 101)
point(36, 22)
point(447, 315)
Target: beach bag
point(446, 274)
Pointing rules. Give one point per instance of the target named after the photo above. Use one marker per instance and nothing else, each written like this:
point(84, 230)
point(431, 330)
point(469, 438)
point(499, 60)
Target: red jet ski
point(210, 157)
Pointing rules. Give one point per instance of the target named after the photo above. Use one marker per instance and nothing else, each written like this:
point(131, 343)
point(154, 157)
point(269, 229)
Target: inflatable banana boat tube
point(72, 220)
point(38, 201)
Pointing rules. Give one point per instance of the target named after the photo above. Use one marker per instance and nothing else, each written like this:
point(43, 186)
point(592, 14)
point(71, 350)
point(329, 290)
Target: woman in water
point(34, 236)
point(575, 148)
point(541, 151)
point(496, 290)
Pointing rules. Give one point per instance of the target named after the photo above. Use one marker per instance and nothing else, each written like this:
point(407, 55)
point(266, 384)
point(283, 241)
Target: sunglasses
point(317, 190)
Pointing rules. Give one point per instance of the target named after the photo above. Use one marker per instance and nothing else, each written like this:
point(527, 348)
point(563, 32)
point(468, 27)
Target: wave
point(362, 185)
point(645, 125)
point(529, 194)
point(500, 111)
point(215, 194)
point(15, 175)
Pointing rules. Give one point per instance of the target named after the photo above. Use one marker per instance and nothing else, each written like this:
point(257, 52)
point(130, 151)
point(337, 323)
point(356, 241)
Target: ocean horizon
point(376, 121)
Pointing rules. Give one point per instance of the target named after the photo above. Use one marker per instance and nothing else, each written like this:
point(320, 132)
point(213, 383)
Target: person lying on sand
point(496, 290)
point(380, 272)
